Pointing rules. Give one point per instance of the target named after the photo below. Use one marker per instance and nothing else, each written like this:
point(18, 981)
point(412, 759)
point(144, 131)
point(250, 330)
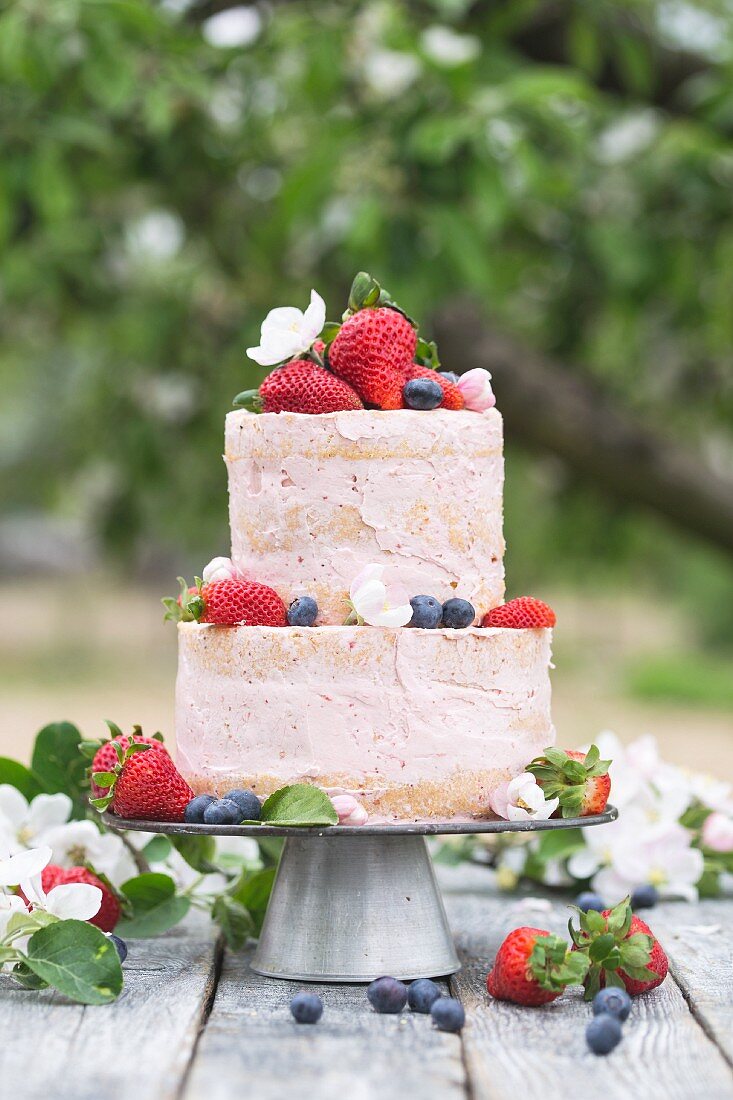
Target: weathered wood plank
point(352, 1051)
point(138, 1048)
point(664, 1051)
point(699, 942)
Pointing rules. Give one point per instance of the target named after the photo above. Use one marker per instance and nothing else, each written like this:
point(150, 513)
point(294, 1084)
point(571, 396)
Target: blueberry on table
point(121, 947)
point(422, 393)
point(613, 1002)
point(303, 611)
point(427, 612)
point(249, 804)
point(603, 1033)
point(422, 994)
point(194, 812)
point(588, 900)
point(222, 812)
point(448, 1014)
point(307, 1008)
point(387, 995)
point(644, 897)
point(458, 614)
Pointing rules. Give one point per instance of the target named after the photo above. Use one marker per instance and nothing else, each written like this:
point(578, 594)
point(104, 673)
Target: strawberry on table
point(229, 603)
point(533, 967)
point(109, 911)
point(622, 949)
point(300, 386)
point(374, 347)
point(580, 780)
point(522, 613)
point(144, 784)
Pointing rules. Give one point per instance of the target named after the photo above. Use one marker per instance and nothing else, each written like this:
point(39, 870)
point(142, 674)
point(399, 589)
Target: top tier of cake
point(313, 499)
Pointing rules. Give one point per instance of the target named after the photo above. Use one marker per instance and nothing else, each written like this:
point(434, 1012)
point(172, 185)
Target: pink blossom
point(717, 832)
point(350, 811)
point(475, 385)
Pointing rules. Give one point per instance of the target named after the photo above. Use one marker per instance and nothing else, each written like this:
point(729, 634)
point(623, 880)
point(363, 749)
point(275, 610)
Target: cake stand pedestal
point(352, 903)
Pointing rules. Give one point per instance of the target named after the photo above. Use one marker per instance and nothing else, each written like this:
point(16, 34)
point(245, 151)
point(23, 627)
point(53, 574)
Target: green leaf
point(27, 977)
point(253, 892)
point(59, 765)
point(155, 906)
point(364, 292)
point(299, 804)
point(329, 332)
point(20, 777)
point(104, 779)
point(600, 948)
point(199, 852)
point(78, 960)
point(234, 921)
point(157, 849)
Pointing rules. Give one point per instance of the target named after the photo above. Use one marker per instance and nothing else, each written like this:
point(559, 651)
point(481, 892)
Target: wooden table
point(195, 1022)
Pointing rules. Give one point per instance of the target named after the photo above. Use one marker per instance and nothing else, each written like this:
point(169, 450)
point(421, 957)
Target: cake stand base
point(350, 904)
point(354, 908)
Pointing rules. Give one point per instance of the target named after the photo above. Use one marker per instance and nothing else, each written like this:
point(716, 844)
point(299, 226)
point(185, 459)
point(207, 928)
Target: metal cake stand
point(352, 903)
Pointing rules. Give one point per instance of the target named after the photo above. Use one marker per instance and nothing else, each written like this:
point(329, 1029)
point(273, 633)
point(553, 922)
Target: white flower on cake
point(349, 809)
point(522, 799)
point(23, 822)
point(475, 385)
point(220, 569)
point(377, 603)
point(287, 332)
point(717, 832)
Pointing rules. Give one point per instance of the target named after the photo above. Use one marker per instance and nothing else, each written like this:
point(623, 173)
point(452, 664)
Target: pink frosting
point(313, 499)
point(375, 706)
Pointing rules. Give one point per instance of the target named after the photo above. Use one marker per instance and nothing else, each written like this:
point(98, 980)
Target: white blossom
point(522, 799)
point(287, 332)
point(377, 603)
point(23, 823)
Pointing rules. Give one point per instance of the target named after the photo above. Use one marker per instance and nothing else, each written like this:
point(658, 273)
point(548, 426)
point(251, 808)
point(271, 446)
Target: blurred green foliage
point(159, 192)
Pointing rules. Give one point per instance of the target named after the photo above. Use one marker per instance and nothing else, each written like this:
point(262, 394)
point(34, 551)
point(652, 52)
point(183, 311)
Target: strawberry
point(145, 785)
point(110, 910)
point(622, 949)
point(228, 603)
point(452, 396)
point(375, 345)
point(533, 967)
point(107, 755)
point(580, 780)
point(523, 613)
point(300, 386)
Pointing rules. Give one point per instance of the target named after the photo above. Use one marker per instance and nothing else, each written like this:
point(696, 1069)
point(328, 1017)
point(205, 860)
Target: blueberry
point(223, 812)
point(612, 1001)
point(427, 612)
point(644, 897)
point(449, 374)
point(588, 900)
point(421, 995)
point(303, 611)
point(387, 995)
point(422, 393)
point(121, 947)
point(458, 613)
point(194, 812)
point(248, 802)
point(307, 1008)
point(448, 1014)
point(603, 1033)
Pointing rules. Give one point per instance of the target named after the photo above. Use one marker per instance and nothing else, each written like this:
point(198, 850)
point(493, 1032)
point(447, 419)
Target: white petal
point(33, 890)
point(47, 810)
point(23, 866)
point(516, 813)
point(13, 806)
point(393, 616)
point(74, 901)
point(314, 317)
point(370, 599)
point(282, 319)
point(372, 572)
point(583, 864)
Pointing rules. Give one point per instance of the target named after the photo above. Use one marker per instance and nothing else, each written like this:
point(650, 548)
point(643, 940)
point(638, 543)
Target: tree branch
point(547, 407)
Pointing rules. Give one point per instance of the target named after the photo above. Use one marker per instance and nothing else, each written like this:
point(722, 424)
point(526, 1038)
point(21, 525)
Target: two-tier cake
point(416, 721)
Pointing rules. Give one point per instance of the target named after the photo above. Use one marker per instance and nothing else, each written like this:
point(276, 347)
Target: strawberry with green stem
point(580, 780)
point(533, 967)
point(622, 950)
point(227, 603)
point(144, 783)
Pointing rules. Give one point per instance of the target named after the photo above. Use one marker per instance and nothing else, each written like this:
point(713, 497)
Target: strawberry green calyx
point(610, 949)
point(554, 966)
point(562, 777)
point(426, 353)
point(108, 780)
point(91, 746)
point(365, 292)
point(248, 399)
point(188, 606)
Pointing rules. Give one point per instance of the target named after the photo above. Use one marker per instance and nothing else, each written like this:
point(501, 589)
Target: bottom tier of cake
point(417, 724)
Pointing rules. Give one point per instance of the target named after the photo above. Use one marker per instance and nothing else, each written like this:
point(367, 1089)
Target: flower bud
point(350, 811)
point(475, 385)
